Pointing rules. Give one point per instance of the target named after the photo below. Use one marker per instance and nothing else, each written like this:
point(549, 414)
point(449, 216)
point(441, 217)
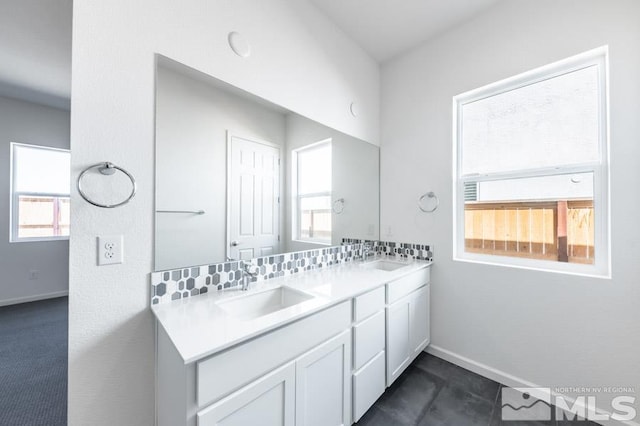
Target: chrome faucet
point(247, 274)
point(366, 249)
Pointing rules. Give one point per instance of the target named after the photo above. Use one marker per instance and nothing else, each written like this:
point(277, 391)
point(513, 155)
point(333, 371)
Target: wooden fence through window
point(532, 229)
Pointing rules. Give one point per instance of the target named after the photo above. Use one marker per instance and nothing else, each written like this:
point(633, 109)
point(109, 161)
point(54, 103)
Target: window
point(40, 185)
point(531, 169)
point(312, 193)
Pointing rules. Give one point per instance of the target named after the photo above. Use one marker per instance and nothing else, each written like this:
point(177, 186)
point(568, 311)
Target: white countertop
point(199, 327)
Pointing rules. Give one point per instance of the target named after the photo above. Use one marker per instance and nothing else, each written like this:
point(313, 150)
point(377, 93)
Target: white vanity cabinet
point(326, 369)
point(313, 390)
point(408, 328)
point(391, 328)
point(297, 374)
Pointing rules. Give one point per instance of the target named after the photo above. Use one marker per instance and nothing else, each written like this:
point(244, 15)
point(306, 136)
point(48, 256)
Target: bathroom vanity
point(321, 334)
point(314, 348)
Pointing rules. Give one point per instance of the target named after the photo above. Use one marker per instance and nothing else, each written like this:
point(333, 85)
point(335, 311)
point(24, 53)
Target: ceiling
point(35, 37)
point(35, 50)
point(386, 28)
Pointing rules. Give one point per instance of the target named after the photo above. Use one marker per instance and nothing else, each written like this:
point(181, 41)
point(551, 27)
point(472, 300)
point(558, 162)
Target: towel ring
point(429, 194)
point(107, 169)
point(338, 206)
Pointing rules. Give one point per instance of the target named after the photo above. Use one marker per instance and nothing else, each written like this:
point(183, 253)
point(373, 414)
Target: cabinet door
point(268, 401)
point(419, 321)
point(399, 348)
point(323, 384)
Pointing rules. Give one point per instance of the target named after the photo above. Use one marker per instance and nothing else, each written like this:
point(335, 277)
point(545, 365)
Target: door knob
point(235, 243)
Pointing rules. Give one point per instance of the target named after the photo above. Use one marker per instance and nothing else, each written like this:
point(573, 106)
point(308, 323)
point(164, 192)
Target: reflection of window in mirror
point(312, 193)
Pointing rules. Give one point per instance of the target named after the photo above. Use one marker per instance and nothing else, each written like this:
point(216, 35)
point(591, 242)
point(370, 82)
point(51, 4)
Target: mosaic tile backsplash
point(188, 282)
point(393, 249)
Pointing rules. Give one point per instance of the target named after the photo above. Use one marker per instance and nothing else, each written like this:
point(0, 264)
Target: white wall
point(545, 328)
point(29, 123)
point(299, 60)
point(192, 120)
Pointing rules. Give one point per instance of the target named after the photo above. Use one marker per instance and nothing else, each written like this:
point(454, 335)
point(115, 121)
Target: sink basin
point(384, 265)
point(255, 305)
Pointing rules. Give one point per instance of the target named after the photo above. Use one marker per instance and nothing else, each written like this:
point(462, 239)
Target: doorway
point(35, 91)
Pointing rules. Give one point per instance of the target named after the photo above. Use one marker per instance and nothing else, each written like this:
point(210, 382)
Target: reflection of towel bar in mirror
point(431, 195)
point(338, 206)
point(182, 211)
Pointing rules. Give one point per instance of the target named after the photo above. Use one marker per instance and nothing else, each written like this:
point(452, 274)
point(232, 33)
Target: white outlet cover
point(110, 250)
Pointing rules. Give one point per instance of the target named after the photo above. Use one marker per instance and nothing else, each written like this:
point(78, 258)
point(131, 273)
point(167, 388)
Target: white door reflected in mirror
point(253, 193)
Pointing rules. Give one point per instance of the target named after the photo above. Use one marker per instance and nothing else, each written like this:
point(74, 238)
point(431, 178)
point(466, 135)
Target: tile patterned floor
point(434, 392)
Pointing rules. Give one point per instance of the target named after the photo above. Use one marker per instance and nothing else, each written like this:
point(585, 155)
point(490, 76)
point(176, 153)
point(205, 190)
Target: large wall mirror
point(238, 177)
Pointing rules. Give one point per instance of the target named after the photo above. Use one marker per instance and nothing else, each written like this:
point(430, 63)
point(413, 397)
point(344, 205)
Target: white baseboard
point(26, 299)
point(503, 377)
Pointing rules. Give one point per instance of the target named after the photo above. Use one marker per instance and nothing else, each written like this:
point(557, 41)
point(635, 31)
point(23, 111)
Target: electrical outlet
point(110, 250)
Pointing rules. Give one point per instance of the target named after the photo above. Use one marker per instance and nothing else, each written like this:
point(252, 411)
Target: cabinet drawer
point(223, 373)
point(405, 285)
point(368, 339)
point(368, 304)
point(368, 385)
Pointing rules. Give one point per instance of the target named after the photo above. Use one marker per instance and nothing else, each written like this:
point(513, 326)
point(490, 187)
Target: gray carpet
point(33, 363)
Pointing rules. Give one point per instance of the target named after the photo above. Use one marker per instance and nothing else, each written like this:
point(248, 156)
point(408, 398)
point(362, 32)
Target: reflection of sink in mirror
point(209, 205)
point(255, 305)
point(384, 265)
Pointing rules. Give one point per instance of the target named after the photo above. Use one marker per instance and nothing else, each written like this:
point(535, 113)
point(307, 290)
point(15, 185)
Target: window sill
point(575, 269)
point(38, 239)
point(312, 242)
